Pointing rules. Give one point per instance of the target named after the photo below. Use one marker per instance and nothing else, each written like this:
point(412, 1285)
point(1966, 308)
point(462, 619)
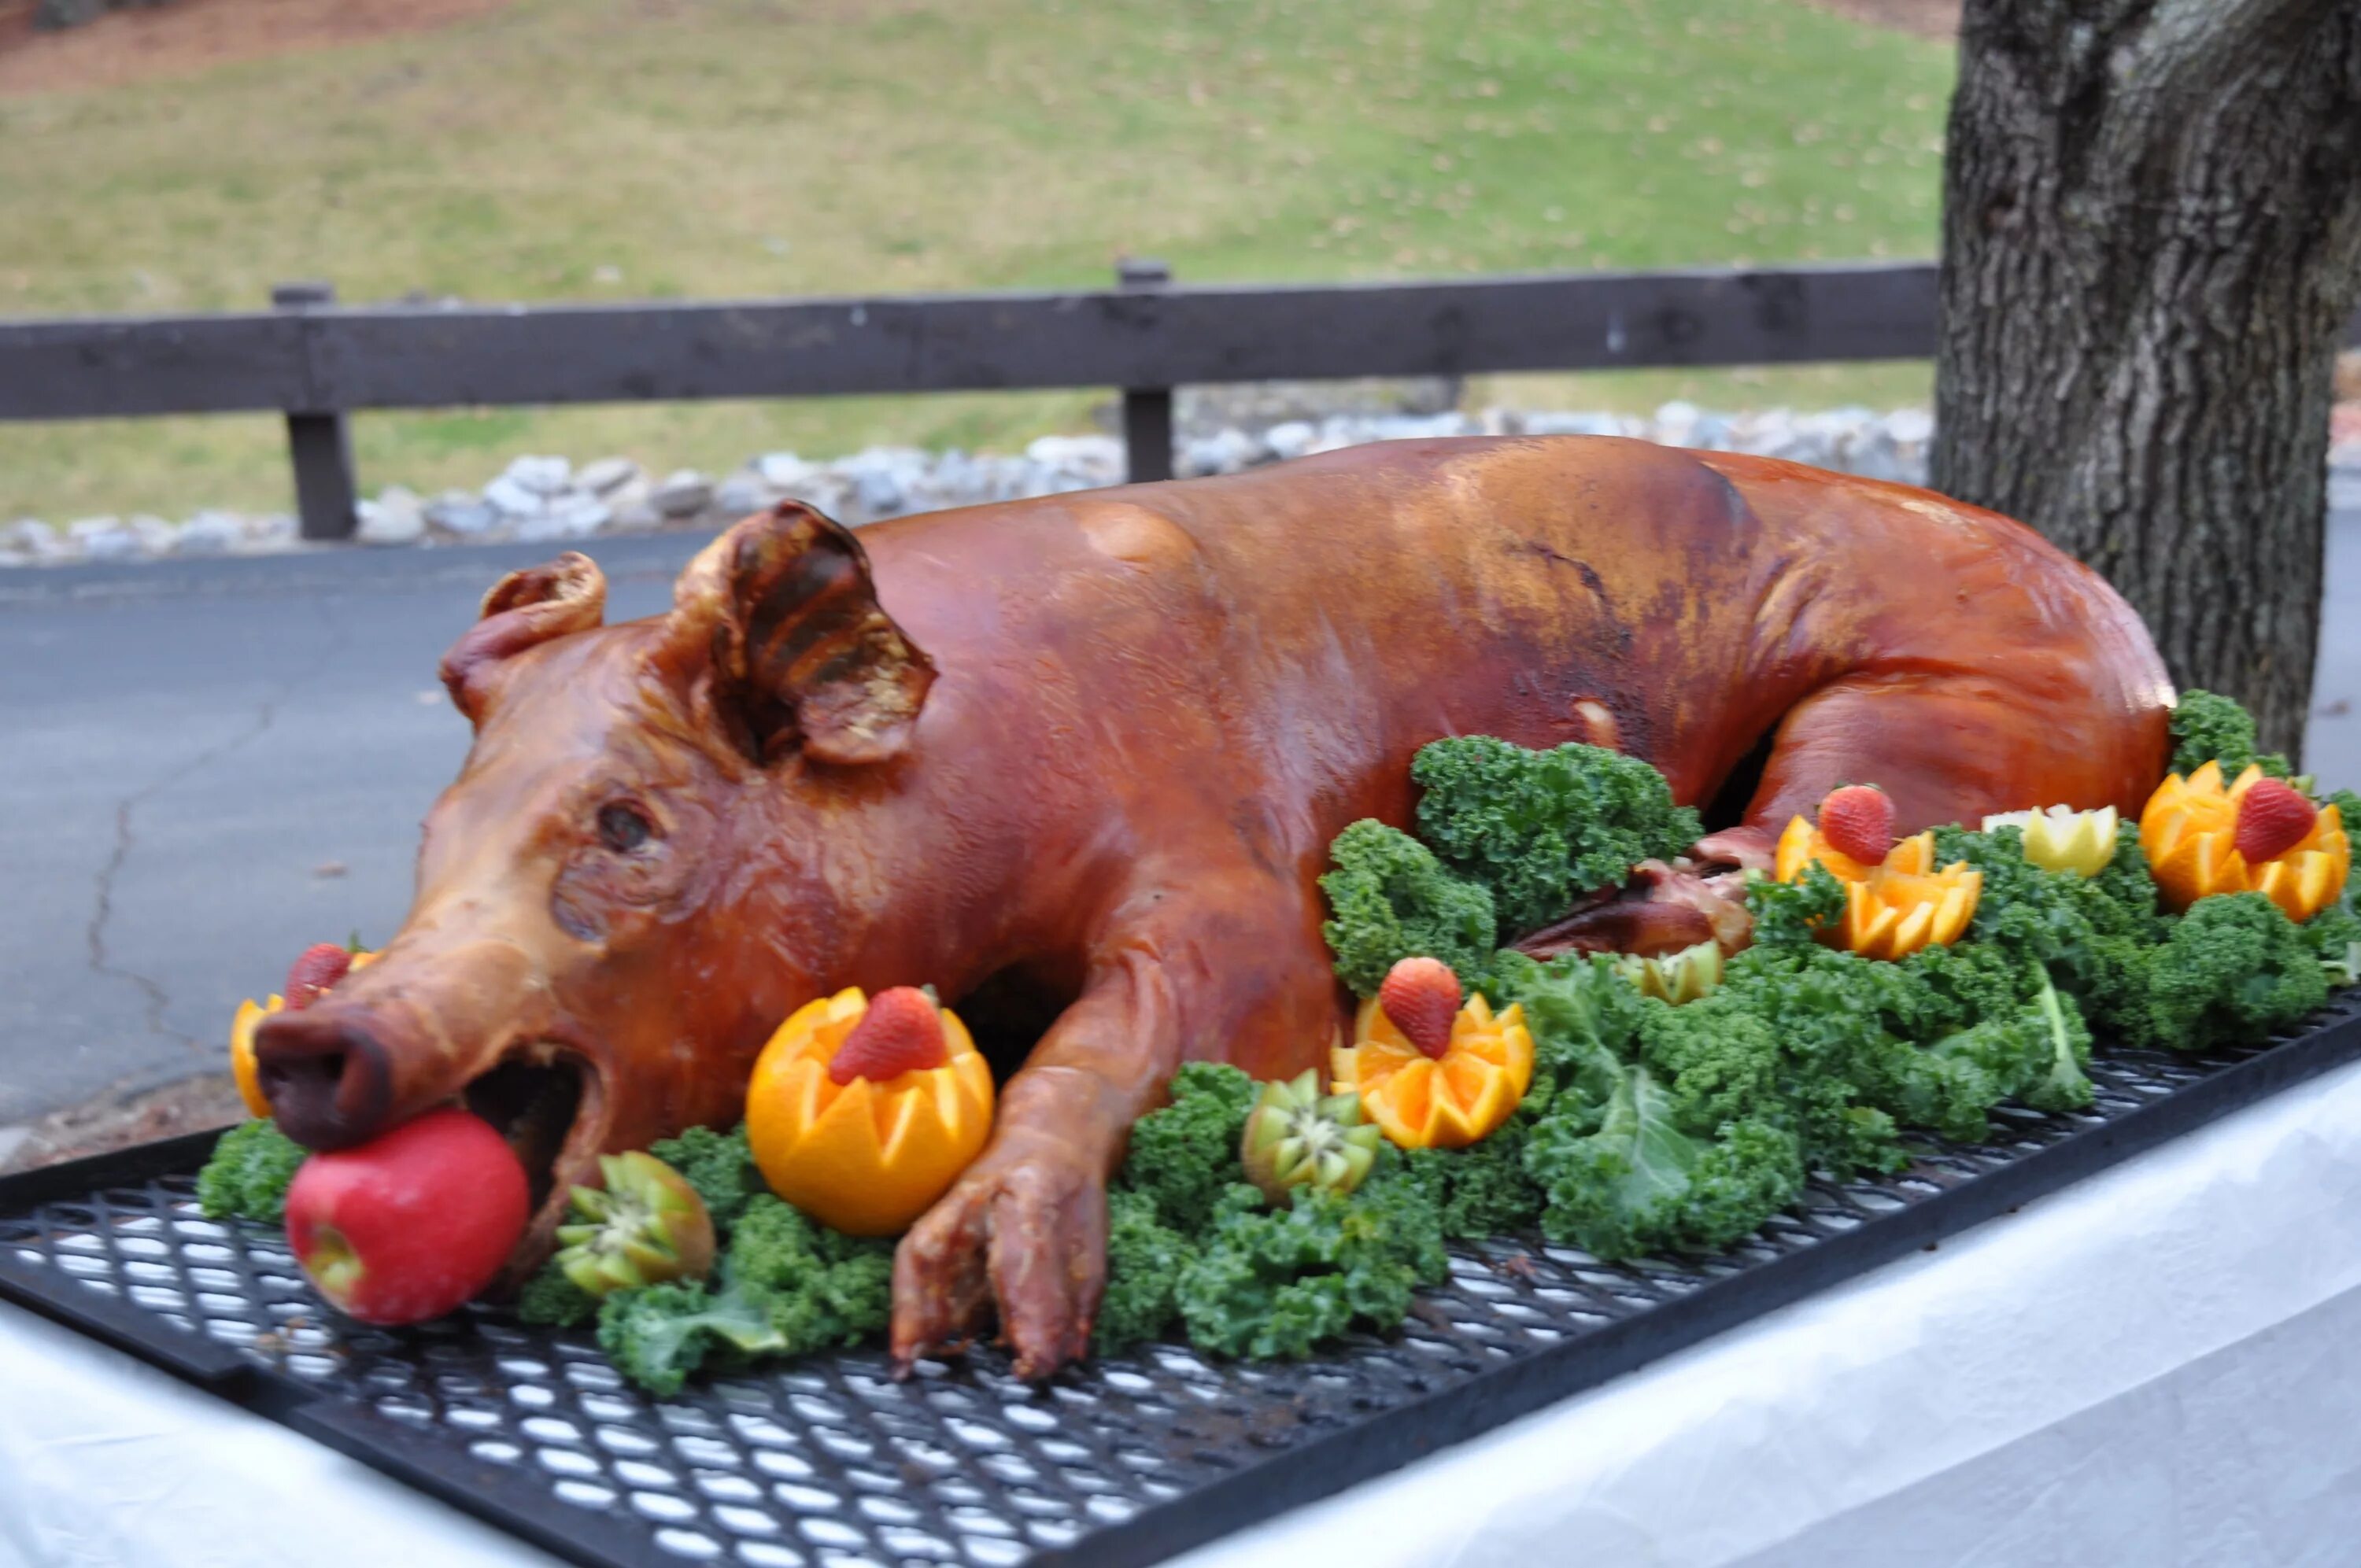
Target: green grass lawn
point(630, 148)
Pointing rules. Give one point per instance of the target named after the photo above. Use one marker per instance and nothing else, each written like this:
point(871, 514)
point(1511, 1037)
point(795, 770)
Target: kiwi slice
point(1676, 977)
point(1297, 1138)
point(648, 1226)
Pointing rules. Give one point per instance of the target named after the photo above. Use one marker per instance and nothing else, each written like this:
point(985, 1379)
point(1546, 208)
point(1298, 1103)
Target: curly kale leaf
point(1481, 1191)
point(718, 1165)
point(2033, 1049)
point(823, 1286)
point(1637, 1183)
point(1184, 1156)
point(2234, 969)
point(1144, 1261)
point(1271, 1283)
point(1583, 1014)
point(551, 1298)
point(2208, 728)
point(1541, 828)
point(1393, 900)
point(1787, 915)
point(789, 1285)
point(247, 1175)
point(660, 1336)
point(2090, 934)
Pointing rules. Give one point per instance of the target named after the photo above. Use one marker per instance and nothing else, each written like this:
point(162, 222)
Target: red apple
point(409, 1225)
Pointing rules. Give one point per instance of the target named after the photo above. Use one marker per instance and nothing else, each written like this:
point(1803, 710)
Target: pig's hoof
point(1036, 1230)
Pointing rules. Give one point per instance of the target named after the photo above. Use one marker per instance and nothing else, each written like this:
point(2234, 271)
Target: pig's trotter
point(1029, 1218)
point(1032, 1219)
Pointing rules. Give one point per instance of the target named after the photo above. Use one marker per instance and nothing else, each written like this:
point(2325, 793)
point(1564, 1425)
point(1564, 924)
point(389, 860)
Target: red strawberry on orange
point(2273, 818)
point(316, 973)
point(900, 1033)
point(1421, 996)
point(1858, 821)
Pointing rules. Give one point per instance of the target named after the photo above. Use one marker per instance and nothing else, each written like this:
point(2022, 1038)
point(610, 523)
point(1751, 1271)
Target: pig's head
point(665, 837)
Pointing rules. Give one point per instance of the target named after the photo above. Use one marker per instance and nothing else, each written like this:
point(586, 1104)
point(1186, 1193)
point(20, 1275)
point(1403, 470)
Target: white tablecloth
point(2160, 1365)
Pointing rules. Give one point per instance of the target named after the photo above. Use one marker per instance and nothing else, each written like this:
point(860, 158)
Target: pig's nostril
point(327, 1083)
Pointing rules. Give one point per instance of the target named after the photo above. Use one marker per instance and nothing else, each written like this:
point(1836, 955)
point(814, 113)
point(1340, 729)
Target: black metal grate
point(831, 1460)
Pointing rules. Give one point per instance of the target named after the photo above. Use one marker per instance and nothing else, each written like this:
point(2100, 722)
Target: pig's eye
point(624, 827)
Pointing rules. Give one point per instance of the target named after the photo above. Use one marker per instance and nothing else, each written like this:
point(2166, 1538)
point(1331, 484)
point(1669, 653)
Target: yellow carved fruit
point(243, 1024)
point(1897, 910)
point(867, 1157)
point(1447, 1101)
point(2189, 827)
point(2061, 839)
point(241, 1051)
point(1802, 844)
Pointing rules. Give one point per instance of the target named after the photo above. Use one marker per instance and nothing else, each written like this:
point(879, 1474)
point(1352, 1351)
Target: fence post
point(321, 443)
point(1146, 411)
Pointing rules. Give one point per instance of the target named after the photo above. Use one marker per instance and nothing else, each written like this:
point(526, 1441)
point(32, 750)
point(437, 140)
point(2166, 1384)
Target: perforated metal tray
point(831, 1460)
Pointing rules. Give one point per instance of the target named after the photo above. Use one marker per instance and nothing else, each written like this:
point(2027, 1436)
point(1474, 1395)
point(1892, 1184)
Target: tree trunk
point(2152, 243)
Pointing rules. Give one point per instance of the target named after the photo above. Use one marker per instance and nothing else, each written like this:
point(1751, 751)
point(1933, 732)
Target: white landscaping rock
point(463, 513)
point(607, 475)
point(394, 518)
point(210, 534)
point(742, 494)
point(542, 475)
point(156, 537)
point(573, 517)
point(683, 494)
point(512, 498)
point(274, 531)
point(116, 544)
point(784, 470)
point(30, 536)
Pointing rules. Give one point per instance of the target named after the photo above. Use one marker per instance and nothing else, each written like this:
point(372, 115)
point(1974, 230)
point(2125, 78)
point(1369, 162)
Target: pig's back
point(1294, 634)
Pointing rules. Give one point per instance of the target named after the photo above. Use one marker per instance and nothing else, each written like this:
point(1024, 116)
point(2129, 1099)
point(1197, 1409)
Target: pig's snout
point(329, 1078)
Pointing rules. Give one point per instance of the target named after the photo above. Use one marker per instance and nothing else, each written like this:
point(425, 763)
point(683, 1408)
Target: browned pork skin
point(1102, 741)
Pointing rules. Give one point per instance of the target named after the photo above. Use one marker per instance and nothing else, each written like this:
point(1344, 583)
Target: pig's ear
point(523, 608)
point(785, 607)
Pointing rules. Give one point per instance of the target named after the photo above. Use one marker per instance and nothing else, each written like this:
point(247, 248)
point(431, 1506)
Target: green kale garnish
point(1271, 1283)
point(1184, 1156)
point(1633, 1181)
point(1541, 828)
point(718, 1165)
point(787, 1286)
point(248, 1176)
point(1392, 900)
point(658, 1336)
point(1145, 1260)
point(2236, 969)
point(2208, 728)
point(550, 1298)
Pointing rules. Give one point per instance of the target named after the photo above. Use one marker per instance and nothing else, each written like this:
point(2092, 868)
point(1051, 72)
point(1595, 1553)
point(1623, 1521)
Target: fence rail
point(317, 362)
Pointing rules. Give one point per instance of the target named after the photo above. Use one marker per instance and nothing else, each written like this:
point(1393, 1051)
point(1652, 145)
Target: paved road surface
point(187, 749)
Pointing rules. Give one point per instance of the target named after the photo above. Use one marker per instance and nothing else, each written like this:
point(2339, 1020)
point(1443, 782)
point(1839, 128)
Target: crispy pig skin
point(1101, 741)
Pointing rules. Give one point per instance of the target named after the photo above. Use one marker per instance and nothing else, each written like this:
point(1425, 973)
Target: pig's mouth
point(548, 1102)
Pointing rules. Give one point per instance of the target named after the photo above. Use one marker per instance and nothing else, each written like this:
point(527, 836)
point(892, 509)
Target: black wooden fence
point(317, 362)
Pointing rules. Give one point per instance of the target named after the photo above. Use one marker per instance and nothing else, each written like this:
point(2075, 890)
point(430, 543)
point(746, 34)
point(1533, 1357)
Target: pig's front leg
point(1025, 1227)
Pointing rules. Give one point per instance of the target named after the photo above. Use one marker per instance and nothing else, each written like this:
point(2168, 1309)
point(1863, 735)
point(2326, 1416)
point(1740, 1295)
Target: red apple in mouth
point(411, 1225)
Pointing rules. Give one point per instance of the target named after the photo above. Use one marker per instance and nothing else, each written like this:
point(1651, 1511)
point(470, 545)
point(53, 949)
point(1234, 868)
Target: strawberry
point(2273, 818)
point(900, 1033)
point(1421, 996)
point(1858, 821)
point(315, 975)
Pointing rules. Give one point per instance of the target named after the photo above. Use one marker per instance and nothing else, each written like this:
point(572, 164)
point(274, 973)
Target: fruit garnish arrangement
point(1625, 1105)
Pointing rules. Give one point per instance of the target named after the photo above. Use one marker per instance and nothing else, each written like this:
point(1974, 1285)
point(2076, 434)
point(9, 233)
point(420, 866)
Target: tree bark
point(2151, 244)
